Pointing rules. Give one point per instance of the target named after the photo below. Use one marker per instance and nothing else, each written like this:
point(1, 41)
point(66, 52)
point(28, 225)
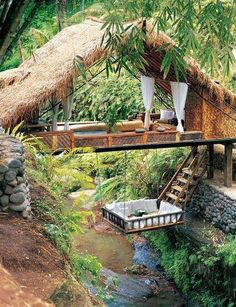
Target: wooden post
point(109, 139)
point(72, 140)
point(194, 150)
point(210, 166)
point(228, 165)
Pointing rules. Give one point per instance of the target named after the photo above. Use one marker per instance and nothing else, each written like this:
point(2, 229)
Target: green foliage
point(44, 26)
point(202, 29)
point(85, 266)
point(46, 173)
point(200, 272)
point(228, 251)
point(138, 174)
point(108, 100)
point(65, 173)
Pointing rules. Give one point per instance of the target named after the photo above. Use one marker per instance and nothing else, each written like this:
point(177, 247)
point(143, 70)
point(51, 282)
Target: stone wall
point(14, 189)
point(217, 207)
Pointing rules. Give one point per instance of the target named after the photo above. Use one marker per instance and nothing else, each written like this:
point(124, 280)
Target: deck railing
point(57, 140)
point(125, 138)
point(65, 140)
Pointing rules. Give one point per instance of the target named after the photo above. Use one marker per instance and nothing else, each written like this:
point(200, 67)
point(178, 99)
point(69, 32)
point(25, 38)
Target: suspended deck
point(144, 223)
point(174, 196)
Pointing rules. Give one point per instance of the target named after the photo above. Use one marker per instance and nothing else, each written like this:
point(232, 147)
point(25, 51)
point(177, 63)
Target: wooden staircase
point(180, 188)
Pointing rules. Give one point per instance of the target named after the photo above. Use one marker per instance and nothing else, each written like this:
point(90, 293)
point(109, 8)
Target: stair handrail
point(190, 177)
point(167, 187)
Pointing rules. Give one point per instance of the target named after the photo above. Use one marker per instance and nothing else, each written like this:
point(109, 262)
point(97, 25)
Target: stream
point(131, 273)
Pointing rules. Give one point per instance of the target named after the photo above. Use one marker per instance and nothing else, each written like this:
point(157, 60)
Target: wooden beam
point(228, 165)
point(166, 144)
point(210, 166)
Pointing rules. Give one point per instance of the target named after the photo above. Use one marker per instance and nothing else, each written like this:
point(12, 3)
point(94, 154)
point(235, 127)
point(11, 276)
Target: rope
point(125, 191)
point(99, 179)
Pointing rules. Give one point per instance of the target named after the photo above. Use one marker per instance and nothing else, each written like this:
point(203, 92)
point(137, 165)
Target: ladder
point(180, 188)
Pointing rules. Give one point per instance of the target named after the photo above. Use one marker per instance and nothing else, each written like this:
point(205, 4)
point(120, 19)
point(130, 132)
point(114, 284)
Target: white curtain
point(55, 109)
point(147, 85)
point(179, 93)
point(67, 108)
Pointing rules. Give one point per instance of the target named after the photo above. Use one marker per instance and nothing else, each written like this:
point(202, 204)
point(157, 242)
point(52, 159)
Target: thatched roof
point(50, 72)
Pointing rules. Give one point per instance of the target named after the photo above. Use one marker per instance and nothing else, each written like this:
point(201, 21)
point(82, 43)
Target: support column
point(228, 165)
point(210, 166)
point(55, 110)
point(67, 107)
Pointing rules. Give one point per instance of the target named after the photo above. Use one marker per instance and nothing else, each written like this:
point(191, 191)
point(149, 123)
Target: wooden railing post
point(72, 138)
point(228, 165)
point(109, 140)
point(210, 166)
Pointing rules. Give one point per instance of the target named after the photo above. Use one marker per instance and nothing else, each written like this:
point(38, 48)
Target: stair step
point(177, 188)
point(181, 179)
point(190, 172)
point(187, 171)
point(173, 196)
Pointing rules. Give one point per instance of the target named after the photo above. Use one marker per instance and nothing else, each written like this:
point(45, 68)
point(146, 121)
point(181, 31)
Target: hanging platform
point(124, 215)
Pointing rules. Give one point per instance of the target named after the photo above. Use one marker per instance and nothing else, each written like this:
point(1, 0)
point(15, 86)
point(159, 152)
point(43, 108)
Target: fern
point(39, 37)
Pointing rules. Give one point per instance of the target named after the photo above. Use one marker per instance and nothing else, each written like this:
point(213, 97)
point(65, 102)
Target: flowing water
point(116, 253)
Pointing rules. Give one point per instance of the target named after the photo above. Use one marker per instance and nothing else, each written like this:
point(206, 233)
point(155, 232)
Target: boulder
point(4, 200)
point(10, 175)
point(17, 198)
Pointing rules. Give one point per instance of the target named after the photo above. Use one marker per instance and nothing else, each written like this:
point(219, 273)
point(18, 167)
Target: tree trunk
point(82, 5)
point(10, 23)
point(61, 13)
point(21, 51)
point(13, 41)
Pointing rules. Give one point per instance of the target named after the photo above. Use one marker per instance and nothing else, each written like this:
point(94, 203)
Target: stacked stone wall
point(14, 188)
point(215, 206)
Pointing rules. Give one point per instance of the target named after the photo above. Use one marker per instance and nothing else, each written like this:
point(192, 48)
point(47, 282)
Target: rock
point(3, 168)
point(20, 179)
point(9, 190)
point(1, 193)
point(13, 183)
point(14, 163)
point(4, 209)
point(4, 200)
point(27, 212)
point(20, 188)
point(19, 208)
point(17, 198)
point(10, 175)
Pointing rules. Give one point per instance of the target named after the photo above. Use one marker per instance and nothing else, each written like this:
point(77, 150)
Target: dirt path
point(31, 259)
